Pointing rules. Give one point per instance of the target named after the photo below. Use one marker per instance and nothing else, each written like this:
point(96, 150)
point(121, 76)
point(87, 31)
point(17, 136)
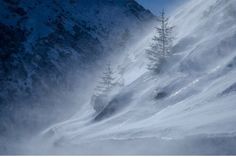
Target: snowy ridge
point(198, 102)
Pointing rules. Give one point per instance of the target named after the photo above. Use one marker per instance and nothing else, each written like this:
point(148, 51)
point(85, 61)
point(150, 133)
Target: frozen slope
point(196, 112)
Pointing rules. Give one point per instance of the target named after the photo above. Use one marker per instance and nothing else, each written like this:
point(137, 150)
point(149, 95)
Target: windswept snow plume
point(51, 55)
point(190, 108)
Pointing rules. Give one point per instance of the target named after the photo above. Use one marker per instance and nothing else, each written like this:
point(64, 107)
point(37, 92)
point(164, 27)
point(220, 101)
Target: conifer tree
point(107, 81)
point(162, 44)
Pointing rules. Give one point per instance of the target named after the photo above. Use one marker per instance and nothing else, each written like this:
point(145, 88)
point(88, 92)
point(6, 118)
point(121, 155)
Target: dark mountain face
point(49, 49)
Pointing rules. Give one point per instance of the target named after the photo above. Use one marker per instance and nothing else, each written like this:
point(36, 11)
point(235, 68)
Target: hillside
point(51, 50)
point(188, 109)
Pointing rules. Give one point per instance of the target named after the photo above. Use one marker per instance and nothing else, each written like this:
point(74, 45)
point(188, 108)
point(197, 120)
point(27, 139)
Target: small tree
point(107, 81)
point(162, 44)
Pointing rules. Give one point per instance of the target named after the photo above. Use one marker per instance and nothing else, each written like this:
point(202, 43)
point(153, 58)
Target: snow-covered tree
point(107, 81)
point(162, 44)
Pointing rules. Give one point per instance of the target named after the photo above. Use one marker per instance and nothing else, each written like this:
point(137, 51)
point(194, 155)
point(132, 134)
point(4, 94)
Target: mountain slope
point(64, 33)
point(50, 50)
point(188, 109)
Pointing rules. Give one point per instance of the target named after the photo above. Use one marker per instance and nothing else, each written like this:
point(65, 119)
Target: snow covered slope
point(50, 50)
point(188, 109)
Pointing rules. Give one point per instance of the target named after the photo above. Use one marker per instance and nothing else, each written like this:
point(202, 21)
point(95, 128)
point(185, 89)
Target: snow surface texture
point(188, 109)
